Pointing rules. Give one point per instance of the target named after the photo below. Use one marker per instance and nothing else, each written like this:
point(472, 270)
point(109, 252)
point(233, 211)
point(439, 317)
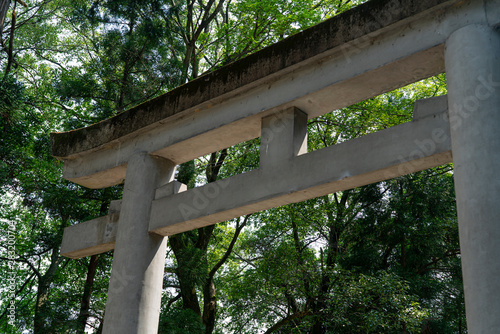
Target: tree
point(331, 277)
point(41, 205)
point(381, 258)
point(204, 51)
point(4, 7)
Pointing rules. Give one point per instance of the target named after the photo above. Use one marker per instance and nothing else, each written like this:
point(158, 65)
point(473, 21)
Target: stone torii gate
point(374, 48)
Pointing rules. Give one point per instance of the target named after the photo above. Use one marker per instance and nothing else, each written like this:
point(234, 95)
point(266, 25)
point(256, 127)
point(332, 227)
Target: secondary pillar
point(135, 287)
point(283, 137)
point(473, 73)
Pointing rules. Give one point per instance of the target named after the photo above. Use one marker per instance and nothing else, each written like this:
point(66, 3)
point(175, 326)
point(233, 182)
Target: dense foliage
point(383, 258)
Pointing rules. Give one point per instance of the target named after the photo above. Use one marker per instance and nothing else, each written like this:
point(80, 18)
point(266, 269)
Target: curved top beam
point(372, 49)
point(363, 20)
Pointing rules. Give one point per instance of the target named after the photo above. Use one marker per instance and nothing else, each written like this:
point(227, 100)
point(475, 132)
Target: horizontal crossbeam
point(317, 71)
point(98, 235)
point(287, 174)
point(92, 237)
point(403, 149)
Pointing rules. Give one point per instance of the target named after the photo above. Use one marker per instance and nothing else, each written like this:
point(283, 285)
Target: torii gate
point(374, 48)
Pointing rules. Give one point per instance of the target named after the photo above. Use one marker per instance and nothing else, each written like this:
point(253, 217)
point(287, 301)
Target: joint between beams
point(283, 137)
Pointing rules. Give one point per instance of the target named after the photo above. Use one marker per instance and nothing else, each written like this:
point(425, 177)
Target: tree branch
point(286, 320)
point(17, 293)
point(10, 49)
point(224, 258)
point(450, 253)
point(173, 300)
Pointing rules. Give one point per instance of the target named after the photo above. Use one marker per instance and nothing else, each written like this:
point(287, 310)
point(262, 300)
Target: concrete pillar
point(283, 136)
point(135, 287)
point(473, 72)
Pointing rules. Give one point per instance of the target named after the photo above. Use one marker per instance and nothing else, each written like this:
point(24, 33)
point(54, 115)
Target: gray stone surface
point(135, 287)
point(390, 50)
point(386, 49)
point(286, 178)
point(359, 22)
point(430, 106)
point(92, 237)
point(379, 46)
point(473, 74)
point(283, 137)
point(418, 145)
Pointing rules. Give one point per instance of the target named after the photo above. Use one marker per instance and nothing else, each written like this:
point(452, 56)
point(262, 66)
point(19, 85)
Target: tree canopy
point(383, 258)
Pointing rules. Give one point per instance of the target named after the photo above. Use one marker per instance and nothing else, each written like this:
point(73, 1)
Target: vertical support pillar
point(283, 136)
point(135, 287)
point(473, 73)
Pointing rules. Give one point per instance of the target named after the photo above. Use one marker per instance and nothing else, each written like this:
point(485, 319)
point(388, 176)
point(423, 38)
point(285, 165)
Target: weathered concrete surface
point(386, 49)
point(92, 237)
point(99, 235)
point(400, 150)
point(170, 188)
point(473, 74)
point(135, 287)
point(430, 106)
point(284, 136)
point(284, 139)
point(362, 20)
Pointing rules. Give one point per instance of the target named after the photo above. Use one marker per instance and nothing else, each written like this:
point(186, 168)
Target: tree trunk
point(44, 282)
point(10, 49)
point(126, 72)
point(209, 306)
point(333, 249)
point(312, 302)
point(209, 295)
point(87, 292)
point(187, 61)
point(179, 246)
point(197, 241)
point(4, 7)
